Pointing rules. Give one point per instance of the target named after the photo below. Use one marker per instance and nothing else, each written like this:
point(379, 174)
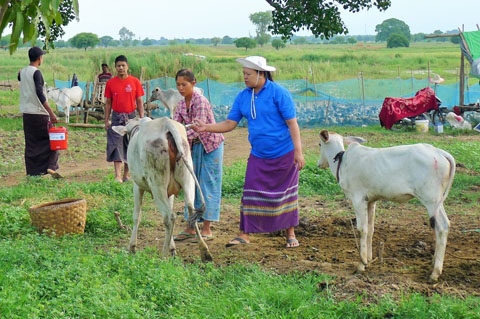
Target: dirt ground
point(328, 242)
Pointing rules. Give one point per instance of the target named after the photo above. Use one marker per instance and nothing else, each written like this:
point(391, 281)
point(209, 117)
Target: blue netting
point(348, 102)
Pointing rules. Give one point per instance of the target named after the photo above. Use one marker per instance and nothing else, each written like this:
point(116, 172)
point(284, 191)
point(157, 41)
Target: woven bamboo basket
point(60, 217)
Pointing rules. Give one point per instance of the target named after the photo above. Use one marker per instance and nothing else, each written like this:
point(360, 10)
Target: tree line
point(44, 20)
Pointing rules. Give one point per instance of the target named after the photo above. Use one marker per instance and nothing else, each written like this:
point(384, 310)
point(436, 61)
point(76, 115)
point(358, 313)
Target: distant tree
point(60, 44)
point(215, 41)
point(418, 37)
point(173, 42)
point(278, 43)
point(439, 39)
point(321, 17)
point(337, 40)
point(106, 41)
point(245, 42)
point(147, 42)
point(85, 40)
point(263, 39)
point(300, 40)
point(115, 43)
point(126, 36)
point(262, 20)
point(5, 41)
point(455, 40)
point(34, 19)
point(396, 40)
point(390, 26)
point(351, 40)
point(227, 40)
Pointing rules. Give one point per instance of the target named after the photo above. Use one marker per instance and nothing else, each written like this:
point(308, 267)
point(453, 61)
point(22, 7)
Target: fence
point(349, 102)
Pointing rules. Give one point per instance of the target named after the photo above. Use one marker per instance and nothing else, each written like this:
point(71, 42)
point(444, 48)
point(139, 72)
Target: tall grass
point(321, 63)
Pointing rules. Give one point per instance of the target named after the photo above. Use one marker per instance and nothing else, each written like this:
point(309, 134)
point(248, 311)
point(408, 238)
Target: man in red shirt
point(124, 94)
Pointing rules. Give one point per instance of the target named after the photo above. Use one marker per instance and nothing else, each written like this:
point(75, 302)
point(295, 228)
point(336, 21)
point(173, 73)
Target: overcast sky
point(217, 18)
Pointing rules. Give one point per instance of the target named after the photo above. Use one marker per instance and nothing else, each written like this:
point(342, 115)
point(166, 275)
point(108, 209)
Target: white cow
point(396, 173)
point(169, 98)
point(65, 98)
point(160, 162)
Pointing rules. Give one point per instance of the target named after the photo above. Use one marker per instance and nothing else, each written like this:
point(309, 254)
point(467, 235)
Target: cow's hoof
point(433, 278)
point(206, 256)
point(360, 267)
point(133, 249)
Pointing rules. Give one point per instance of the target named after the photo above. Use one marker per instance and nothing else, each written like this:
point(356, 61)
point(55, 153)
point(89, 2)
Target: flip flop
point(205, 238)
point(240, 240)
point(54, 174)
point(292, 243)
point(182, 236)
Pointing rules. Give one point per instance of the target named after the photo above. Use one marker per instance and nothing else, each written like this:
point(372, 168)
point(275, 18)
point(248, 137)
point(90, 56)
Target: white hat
point(256, 63)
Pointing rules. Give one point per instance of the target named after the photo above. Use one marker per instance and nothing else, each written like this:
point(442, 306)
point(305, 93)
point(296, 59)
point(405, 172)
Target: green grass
point(86, 276)
point(321, 63)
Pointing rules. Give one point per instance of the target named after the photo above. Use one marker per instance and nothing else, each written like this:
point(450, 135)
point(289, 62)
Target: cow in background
point(66, 98)
point(169, 98)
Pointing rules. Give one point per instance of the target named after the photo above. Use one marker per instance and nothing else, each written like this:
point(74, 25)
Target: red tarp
point(395, 109)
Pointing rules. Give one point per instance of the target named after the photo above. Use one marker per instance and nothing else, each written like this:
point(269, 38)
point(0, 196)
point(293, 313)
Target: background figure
point(207, 151)
point(105, 75)
point(37, 118)
point(270, 193)
point(124, 94)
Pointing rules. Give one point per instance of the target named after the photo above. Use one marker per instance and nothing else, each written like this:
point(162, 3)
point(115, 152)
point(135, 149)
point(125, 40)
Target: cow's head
point(333, 143)
point(130, 127)
point(52, 92)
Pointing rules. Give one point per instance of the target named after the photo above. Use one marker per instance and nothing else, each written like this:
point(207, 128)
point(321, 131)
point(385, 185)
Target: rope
point(355, 235)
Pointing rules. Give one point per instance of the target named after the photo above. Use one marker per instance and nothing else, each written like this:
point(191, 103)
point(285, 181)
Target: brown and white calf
point(397, 174)
point(160, 162)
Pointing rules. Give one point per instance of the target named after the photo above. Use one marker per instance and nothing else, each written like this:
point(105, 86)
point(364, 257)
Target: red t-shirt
point(123, 93)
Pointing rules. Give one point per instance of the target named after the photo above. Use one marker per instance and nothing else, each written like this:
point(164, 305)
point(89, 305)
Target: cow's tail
point(451, 161)
point(198, 213)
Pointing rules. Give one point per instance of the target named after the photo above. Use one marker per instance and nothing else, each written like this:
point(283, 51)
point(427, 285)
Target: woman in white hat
point(270, 194)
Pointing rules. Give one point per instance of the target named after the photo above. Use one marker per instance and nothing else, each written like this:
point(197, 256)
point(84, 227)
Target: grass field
point(328, 62)
point(91, 275)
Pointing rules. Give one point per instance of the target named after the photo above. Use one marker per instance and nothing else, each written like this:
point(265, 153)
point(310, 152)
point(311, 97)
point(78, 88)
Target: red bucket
point(58, 138)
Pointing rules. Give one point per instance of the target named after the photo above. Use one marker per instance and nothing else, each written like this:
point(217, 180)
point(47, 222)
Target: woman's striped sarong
point(270, 195)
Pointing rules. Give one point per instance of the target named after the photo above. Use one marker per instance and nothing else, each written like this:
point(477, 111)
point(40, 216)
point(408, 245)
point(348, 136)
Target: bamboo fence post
point(313, 80)
point(399, 80)
point(306, 88)
point(208, 91)
point(363, 90)
point(411, 77)
point(428, 73)
point(147, 104)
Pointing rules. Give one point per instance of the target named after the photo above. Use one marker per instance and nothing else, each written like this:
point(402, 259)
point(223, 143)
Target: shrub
point(397, 40)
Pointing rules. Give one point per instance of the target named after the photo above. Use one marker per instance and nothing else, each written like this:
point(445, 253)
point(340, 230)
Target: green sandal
point(182, 236)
